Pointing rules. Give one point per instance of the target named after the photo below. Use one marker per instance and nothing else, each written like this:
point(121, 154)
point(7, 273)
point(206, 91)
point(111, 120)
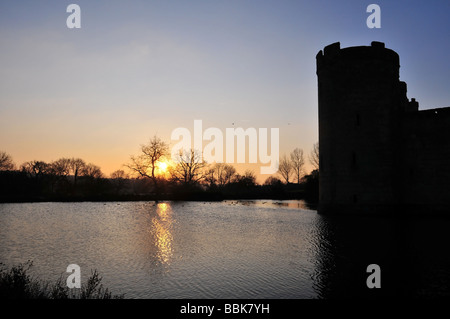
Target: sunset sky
point(140, 68)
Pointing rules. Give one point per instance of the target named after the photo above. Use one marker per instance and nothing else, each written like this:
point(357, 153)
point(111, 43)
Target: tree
point(36, 169)
point(210, 177)
point(6, 162)
point(226, 176)
point(60, 170)
point(247, 180)
point(41, 173)
point(285, 168)
point(189, 167)
point(76, 166)
point(314, 156)
point(272, 181)
point(275, 186)
point(145, 164)
point(92, 180)
point(221, 174)
point(92, 171)
point(119, 179)
point(119, 174)
point(61, 167)
point(297, 162)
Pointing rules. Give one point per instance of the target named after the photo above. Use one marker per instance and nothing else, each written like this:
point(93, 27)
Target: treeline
point(188, 177)
point(65, 178)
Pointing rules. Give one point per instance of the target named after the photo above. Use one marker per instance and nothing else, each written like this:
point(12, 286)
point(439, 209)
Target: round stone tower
point(360, 104)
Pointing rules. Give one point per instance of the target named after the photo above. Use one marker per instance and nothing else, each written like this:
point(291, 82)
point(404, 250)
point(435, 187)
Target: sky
point(139, 68)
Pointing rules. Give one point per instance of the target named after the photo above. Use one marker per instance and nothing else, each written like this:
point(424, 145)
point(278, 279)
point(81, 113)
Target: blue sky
point(139, 68)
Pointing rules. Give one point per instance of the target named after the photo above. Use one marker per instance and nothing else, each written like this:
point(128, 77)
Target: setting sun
point(162, 167)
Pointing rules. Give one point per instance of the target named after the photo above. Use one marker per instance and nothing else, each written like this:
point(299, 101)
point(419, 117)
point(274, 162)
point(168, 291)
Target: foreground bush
point(16, 283)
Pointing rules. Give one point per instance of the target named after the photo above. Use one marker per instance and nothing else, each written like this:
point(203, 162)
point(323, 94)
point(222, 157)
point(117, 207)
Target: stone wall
point(377, 151)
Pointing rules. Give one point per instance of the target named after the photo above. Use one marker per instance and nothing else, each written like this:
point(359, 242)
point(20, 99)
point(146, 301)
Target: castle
point(378, 152)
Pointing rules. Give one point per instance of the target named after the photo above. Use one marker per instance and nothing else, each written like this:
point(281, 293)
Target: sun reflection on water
point(162, 224)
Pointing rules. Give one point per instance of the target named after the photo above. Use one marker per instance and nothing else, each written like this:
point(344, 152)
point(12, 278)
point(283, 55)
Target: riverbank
point(180, 196)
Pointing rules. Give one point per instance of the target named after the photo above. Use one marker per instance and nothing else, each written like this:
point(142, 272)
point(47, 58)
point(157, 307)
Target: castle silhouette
point(378, 152)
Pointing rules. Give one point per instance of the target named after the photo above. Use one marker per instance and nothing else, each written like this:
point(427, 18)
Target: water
point(231, 249)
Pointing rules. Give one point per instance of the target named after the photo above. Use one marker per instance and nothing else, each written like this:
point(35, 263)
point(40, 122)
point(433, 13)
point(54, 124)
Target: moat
point(229, 249)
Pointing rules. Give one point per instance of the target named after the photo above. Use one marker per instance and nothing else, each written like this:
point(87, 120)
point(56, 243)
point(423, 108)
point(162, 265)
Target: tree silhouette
point(220, 174)
point(247, 180)
point(146, 163)
point(61, 168)
point(314, 156)
point(119, 174)
point(285, 168)
point(6, 162)
point(76, 166)
point(189, 167)
point(119, 180)
point(92, 171)
point(36, 169)
point(297, 162)
point(272, 180)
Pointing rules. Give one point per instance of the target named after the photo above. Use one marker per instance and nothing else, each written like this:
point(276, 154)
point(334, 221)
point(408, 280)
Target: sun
point(163, 166)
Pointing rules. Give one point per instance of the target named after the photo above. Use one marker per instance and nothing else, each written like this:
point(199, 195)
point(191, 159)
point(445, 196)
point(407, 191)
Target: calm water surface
point(231, 249)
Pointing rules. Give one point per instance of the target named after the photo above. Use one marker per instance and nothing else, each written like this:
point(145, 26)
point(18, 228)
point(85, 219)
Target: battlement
point(333, 54)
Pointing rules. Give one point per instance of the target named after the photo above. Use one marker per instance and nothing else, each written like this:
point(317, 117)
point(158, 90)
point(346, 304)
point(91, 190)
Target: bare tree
point(221, 173)
point(61, 167)
point(76, 166)
point(6, 162)
point(297, 162)
point(92, 171)
point(119, 174)
point(210, 176)
point(189, 167)
point(314, 156)
point(228, 172)
point(36, 169)
point(246, 180)
point(145, 164)
point(119, 179)
point(285, 168)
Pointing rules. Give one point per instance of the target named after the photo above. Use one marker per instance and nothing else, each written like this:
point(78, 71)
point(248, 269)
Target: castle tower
point(361, 102)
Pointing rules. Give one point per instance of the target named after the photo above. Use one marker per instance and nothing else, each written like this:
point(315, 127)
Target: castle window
point(358, 120)
point(355, 198)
